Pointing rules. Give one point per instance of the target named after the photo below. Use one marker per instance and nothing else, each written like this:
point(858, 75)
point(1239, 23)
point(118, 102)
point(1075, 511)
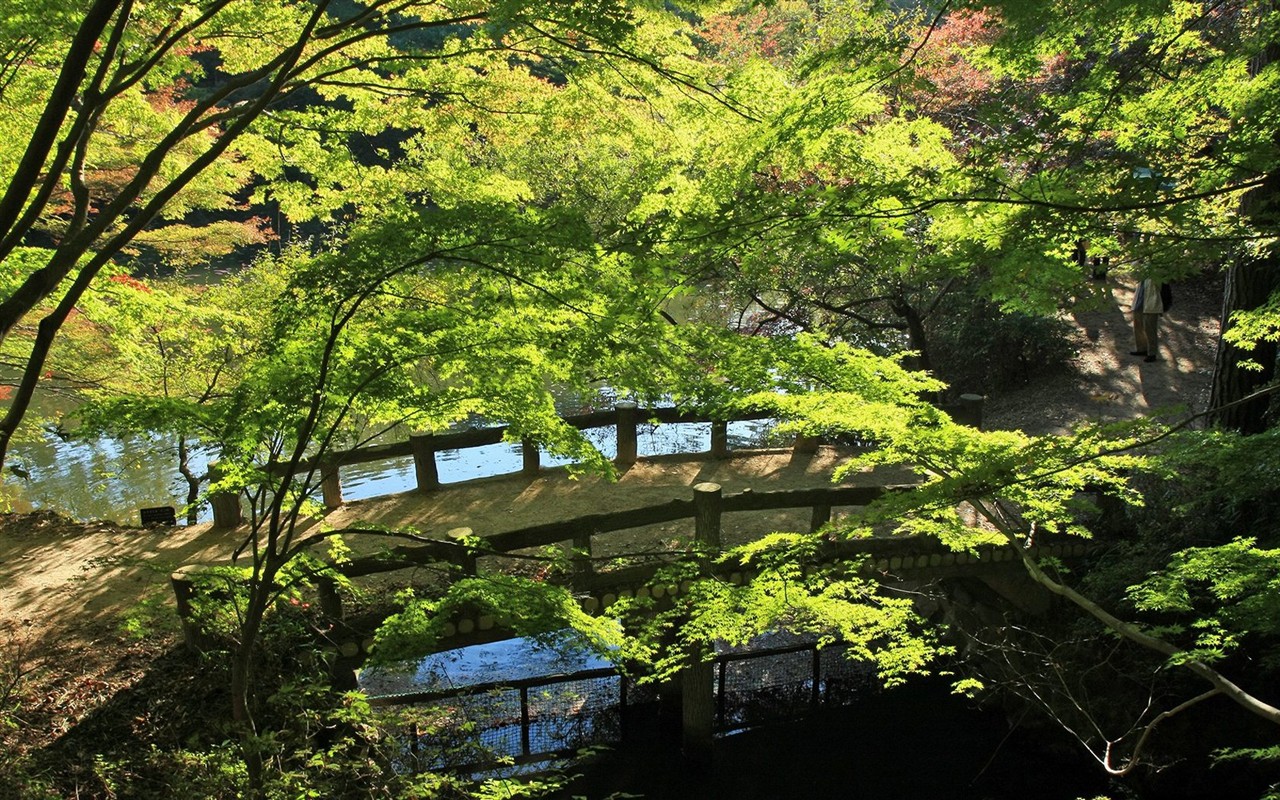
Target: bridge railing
point(706, 509)
point(522, 719)
point(424, 447)
point(598, 587)
point(625, 418)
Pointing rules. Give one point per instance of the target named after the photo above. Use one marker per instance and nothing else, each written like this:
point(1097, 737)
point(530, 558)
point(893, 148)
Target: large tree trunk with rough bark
point(1249, 283)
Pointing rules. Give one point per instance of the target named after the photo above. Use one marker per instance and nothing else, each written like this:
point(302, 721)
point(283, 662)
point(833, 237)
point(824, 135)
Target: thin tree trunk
point(917, 338)
point(60, 102)
point(193, 481)
point(242, 661)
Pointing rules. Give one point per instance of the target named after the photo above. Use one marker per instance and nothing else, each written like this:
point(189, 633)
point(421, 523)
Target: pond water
point(507, 660)
point(109, 479)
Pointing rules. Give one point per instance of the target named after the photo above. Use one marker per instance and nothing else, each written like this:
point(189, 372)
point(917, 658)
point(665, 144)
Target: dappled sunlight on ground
point(79, 578)
point(1106, 383)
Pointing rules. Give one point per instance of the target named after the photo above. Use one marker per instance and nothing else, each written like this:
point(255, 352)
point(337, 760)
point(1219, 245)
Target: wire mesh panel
point(768, 686)
point(765, 687)
point(845, 679)
point(527, 721)
point(461, 731)
point(575, 714)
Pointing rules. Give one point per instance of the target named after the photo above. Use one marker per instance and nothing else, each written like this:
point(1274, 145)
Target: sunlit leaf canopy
point(476, 203)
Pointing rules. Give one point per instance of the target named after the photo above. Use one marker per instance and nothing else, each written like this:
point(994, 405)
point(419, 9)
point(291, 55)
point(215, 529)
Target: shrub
point(977, 347)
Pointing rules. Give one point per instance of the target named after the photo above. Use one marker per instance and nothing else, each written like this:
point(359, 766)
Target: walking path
point(1106, 384)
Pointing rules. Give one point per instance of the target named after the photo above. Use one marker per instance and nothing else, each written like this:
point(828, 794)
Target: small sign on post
point(160, 515)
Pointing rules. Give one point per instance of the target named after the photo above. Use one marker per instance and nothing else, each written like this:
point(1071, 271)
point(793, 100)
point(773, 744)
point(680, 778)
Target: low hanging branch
point(1220, 683)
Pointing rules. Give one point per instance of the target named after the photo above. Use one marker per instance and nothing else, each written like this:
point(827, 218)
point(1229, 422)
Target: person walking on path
point(1148, 305)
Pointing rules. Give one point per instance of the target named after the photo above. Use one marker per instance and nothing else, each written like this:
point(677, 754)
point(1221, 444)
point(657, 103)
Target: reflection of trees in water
point(485, 728)
point(757, 688)
point(99, 478)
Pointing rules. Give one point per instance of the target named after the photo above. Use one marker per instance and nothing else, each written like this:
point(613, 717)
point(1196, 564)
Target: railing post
point(720, 699)
point(330, 484)
point(524, 721)
point(707, 507)
point(468, 561)
point(183, 589)
point(816, 697)
point(821, 516)
point(970, 411)
point(698, 707)
point(330, 600)
point(628, 449)
point(424, 461)
point(226, 505)
point(414, 744)
point(719, 439)
point(529, 451)
point(697, 676)
point(807, 444)
point(582, 556)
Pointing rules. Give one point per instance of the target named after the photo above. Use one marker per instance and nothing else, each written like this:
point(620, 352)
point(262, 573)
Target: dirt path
point(73, 582)
point(1105, 383)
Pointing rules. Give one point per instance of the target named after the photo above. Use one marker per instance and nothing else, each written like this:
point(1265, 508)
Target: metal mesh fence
point(543, 718)
point(575, 714)
point(530, 720)
point(758, 688)
point(755, 688)
point(845, 679)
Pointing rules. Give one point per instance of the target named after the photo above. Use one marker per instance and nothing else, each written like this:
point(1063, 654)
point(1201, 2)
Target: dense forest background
point(274, 231)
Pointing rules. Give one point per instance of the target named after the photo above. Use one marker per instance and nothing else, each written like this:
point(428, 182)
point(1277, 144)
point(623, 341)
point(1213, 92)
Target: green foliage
point(786, 592)
point(501, 215)
point(969, 687)
point(834, 390)
point(1228, 591)
point(1221, 475)
point(1250, 327)
point(543, 612)
point(180, 772)
point(152, 615)
point(977, 347)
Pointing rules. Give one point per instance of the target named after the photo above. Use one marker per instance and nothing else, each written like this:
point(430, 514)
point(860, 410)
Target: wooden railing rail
point(626, 417)
point(497, 434)
point(510, 684)
point(581, 530)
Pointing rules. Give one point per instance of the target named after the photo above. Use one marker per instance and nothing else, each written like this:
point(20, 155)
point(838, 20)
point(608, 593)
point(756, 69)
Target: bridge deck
point(496, 505)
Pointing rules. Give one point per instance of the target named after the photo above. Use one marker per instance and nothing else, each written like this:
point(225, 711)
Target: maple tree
point(122, 118)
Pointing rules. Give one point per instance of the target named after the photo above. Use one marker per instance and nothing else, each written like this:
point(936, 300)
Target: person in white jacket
point(1147, 308)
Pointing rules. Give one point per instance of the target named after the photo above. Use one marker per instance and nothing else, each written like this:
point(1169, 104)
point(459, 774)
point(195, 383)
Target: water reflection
point(507, 660)
point(98, 478)
point(109, 479)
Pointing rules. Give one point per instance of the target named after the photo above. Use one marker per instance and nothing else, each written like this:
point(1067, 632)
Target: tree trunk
point(193, 481)
point(1250, 281)
point(917, 338)
point(1249, 284)
point(242, 658)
